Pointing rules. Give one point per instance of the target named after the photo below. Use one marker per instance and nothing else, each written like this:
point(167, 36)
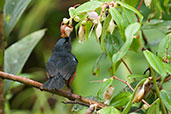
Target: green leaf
point(104, 31)
point(133, 3)
point(13, 10)
point(129, 15)
point(154, 109)
point(103, 88)
point(118, 19)
point(166, 99)
point(131, 8)
point(164, 49)
point(120, 99)
point(87, 29)
point(137, 76)
point(109, 110)
point(17, 54)
point(155, 63)
point(2, 5)
point(96, 66)
point(129, 33)
point(88, 6)
point(113, 43)
point(129, 104)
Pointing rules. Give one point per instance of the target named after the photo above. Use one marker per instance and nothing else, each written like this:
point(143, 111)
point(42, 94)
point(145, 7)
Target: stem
point(2, 48)
point(127, 66)
point(157, 90)
point(57, 92)
point(140, 4)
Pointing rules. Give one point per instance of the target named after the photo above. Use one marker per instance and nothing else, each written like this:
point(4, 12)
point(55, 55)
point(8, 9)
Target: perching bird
point(61, 66)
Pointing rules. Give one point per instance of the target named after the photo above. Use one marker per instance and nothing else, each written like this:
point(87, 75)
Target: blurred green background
point(49, 14)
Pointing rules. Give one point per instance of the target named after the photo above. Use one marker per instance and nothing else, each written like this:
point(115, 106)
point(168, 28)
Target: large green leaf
point(155, 63)
point(103, 88)
point(17, 54)
point(13, 10)
point(166, 99)
point(129, 15)
point(113, 43)
point(154, 109)
point(129, 104)
point(131, 8)
point(164, 49)
point(88, 6)
point(129, 33)
point(120, 99)
point(118, 19)
point(109, 110)
point(132, 2)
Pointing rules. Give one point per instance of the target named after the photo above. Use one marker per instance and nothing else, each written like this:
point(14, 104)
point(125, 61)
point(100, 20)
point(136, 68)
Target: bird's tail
point(54, 83)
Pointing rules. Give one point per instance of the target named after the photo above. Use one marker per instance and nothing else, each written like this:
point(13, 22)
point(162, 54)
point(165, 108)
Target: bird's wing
point(63, 64)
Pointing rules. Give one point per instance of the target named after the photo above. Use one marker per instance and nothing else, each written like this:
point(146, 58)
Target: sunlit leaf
point(121, 99)
point(166, 99)
point(109, 110)
point(164, 49)
point(154, 109)
point(103, 88)
point(13, 10)
point(88, 6)
point(132, 2)
point(131, 8)
point(155, 63)
point(129, 33)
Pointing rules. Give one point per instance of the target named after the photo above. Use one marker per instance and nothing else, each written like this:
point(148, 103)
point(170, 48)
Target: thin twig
point(76, 102)
point(57, 92)
point(140, 4)
point(126, 66)
point(125, 82)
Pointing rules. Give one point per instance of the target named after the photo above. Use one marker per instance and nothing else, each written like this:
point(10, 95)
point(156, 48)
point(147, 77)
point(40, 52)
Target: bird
point(61, 66)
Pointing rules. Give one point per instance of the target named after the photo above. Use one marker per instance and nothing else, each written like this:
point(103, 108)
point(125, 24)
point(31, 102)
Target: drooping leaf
point(17, 54)
point(155, 63)
point(129, 33)
point(104, 86)
point(164, 49)
point(166, 99)
point(167, 67)
point(129, 104)
point(131, 8)
point(118, 19)
point(109, 110)
point(88, 6)
point(154, 109)
point(96, 66)
point(13, 10)
point(121, 99)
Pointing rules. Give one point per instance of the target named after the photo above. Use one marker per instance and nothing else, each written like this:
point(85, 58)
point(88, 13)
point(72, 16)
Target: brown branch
point(2, 48)
point(126, 66)
point(140, 4)
point(125, 82)
point(57, 92)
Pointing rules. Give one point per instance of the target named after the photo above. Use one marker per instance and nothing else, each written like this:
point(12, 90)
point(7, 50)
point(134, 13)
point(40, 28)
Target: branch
point(57, 92)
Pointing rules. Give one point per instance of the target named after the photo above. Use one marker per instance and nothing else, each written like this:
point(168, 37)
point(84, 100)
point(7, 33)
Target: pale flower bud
point(81, 33)
point(147, 2)
point(111, 26)
point(99, 30)
point(94, 16)
point(76, 19)
point(65, 20)
point(108, 94)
